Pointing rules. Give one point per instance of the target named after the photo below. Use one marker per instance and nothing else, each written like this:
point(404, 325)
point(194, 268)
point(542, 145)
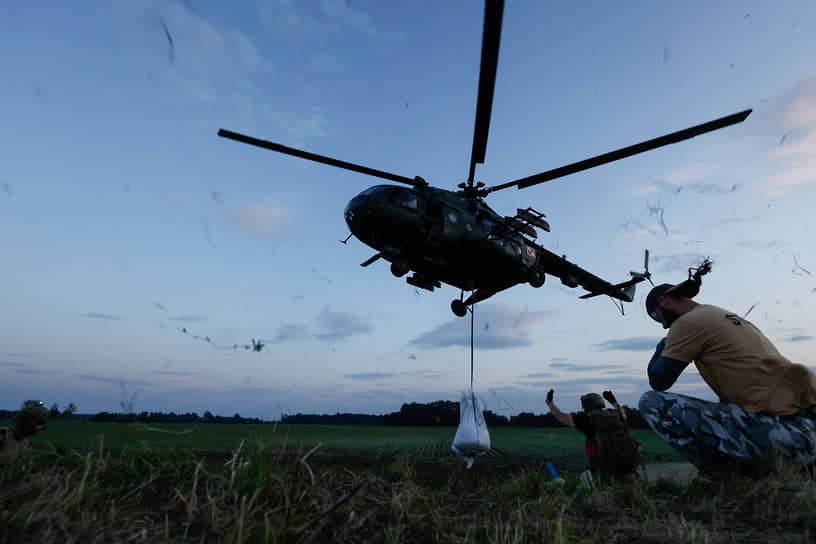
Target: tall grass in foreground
point(259, 493)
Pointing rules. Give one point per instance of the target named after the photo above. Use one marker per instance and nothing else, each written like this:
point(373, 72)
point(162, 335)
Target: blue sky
point(125, 219)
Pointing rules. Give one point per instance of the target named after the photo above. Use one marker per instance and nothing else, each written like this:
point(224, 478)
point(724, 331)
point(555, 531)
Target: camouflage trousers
point(710, 434)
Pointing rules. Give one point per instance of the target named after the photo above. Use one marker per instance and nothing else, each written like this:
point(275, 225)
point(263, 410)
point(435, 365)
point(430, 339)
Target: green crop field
point(527, 445)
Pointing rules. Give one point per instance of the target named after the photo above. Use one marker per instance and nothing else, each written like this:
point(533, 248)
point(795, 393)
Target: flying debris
point(255, 345)
point(327, 280)
point(657, 210)
point(169, 39)
point(206, 230)
point(5, 187)
point(517, 322)
point(784, 137)
point(797, 267)
point(216, 196)
point(160, 307)
point(751, 308)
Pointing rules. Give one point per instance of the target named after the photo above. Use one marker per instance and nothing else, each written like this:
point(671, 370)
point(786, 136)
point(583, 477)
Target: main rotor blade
point(654, 143)
point(314, 157)
point(491, 36)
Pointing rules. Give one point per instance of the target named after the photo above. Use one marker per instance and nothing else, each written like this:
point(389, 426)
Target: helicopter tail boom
point(624, 291)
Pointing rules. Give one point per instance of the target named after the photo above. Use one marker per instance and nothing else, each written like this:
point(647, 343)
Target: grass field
point(561, 445)
point(90, 482)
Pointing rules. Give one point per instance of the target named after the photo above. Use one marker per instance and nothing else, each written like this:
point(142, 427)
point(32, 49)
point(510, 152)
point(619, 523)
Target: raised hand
point(550, 396)
point(610, 397)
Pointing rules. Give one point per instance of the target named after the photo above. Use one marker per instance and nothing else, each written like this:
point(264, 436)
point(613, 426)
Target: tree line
point(441, 413)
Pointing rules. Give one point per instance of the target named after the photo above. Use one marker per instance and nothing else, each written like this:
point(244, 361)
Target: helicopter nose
point(352, 212)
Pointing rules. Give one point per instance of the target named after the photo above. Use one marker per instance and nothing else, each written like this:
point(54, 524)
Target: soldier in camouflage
point(30, 420)
point(767, 405)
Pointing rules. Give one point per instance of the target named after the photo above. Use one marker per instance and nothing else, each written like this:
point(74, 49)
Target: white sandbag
point(472, 437)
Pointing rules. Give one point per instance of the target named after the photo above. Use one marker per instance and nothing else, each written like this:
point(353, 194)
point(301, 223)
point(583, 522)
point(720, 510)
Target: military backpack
point(617, 453)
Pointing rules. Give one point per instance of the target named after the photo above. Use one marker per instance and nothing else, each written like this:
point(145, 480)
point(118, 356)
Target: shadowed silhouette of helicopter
point(454, 237)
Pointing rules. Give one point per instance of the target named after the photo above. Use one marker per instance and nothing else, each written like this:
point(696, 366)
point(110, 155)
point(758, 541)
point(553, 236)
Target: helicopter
point(453, 236)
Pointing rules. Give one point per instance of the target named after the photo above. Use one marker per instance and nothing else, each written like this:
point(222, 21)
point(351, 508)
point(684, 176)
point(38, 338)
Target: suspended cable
point(472, 308)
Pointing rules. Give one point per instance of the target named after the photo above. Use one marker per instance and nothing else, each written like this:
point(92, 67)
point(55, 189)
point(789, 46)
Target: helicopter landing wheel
point(399, 268)
point(536, 278)
point(458, 307)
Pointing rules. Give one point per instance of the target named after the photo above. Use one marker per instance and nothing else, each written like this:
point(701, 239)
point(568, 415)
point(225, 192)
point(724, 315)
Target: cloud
point(331, 327)
point(33, 371)
point(264, 219)
point(96, 315)
point(339, 10)
point(801, 111)
point(637, 343)
point(689, 174)
point(206, 58)
point(674, 263)
point(117, 381)
point(300, 128)
point(340, 325)
point(370, 376)
point(539, 374)
point(510, 327)
point(284, 16)
point(796, 154)
point(324, 63)
point(800, 338)
point(11, 364)
point(179, 373)
point(685, 179)
point(192, 318)
point(290, 332)
point(580, 367)
point(428, 374)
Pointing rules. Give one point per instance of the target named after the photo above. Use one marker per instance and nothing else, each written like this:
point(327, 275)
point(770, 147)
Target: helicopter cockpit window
point(381, 191)
point(405, 197)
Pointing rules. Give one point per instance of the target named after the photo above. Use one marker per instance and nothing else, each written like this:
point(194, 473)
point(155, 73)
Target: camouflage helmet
point(592, 402)
point(29, 417)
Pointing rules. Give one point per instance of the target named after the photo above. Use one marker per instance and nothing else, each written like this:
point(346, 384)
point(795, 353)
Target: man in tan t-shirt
point(767, 403)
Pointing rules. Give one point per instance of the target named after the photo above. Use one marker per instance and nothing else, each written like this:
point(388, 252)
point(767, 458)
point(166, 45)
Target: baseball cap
point(688, 288)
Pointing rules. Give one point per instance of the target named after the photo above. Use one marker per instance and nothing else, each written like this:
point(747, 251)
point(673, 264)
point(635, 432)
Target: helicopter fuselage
point(441, 236)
